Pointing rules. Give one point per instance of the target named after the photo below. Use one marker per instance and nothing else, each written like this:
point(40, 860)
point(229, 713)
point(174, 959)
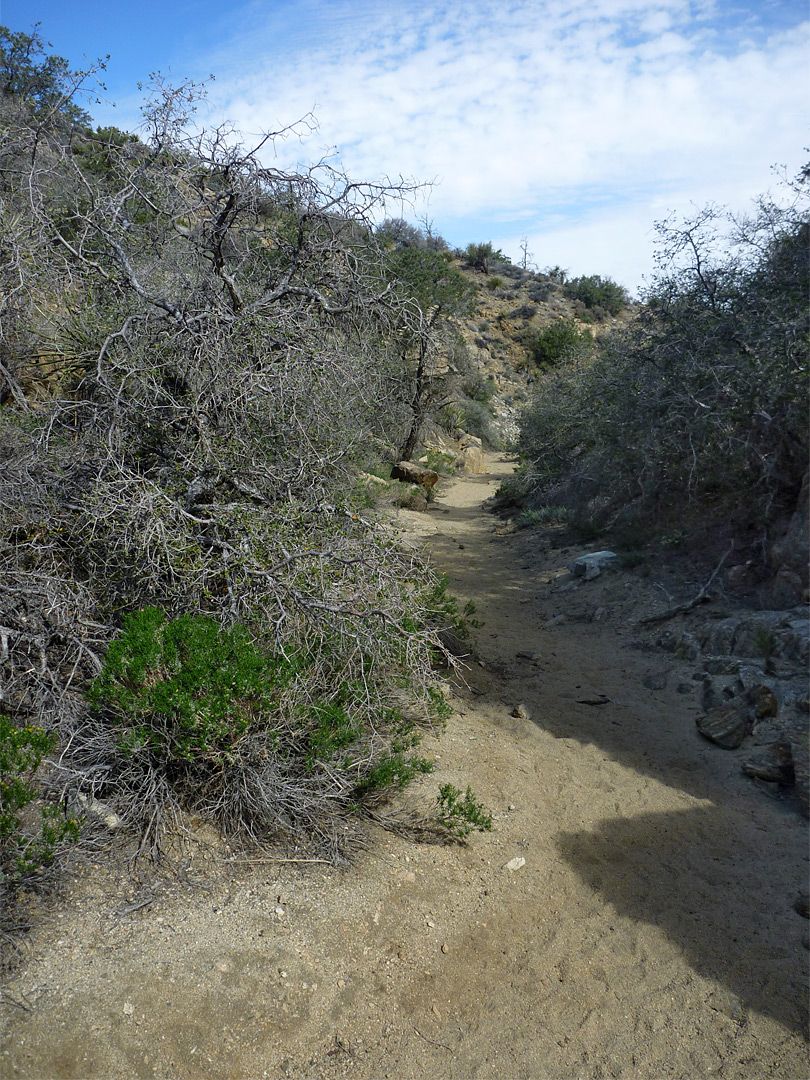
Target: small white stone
point(516, 863)
point(129, 1008)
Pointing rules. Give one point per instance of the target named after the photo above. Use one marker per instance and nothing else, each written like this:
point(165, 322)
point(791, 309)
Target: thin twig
point(681, 609)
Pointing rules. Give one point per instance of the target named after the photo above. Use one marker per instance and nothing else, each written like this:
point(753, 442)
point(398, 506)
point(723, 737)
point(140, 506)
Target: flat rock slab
point(591, 566)
point(412, 473)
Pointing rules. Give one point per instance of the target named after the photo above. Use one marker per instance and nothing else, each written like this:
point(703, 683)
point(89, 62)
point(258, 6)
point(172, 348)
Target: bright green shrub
point(188, 687)
point(267, 746)
point(460, 814)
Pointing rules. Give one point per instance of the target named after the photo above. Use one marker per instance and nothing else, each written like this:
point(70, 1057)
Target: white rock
point(516, 863)
point(590, 566)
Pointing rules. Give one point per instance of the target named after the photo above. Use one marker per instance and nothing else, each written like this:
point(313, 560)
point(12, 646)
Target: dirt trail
point(650, 932)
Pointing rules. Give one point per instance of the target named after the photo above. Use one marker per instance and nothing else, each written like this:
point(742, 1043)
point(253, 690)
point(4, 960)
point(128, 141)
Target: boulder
point(773, 764)
point(591, 566)
point(466, 441)
point(727, 725)
point(471, 460)
point(412, 473)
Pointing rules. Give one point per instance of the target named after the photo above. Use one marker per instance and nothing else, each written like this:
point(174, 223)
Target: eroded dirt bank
point(650, 932)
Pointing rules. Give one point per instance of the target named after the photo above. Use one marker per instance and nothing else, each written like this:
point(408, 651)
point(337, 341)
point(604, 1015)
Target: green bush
point(187, 688)
point(482, 256)
point(476, 418)
point(268, 746)
point(28, 840)
point(598, 292)
point(558, 342)
point(460, 814)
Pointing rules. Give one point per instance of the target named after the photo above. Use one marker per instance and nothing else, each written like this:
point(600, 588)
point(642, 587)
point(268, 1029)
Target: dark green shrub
point(598, 292)
point(187, 688)
point(479, 388)
point(28, 840)
point(558, 342)
point(483, 256)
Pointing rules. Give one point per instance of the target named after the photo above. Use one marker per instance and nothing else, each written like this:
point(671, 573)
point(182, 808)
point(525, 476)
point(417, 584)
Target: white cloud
point(522, 106)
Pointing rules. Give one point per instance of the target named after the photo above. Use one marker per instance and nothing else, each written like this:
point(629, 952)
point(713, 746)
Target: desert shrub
point(540, 291)
point(461, 813)
point(702, 403)
point(483, 257)
point(31, 829)
point(596, 292)
point(440, 461)
point(269, 746)
point(479, 388)
point(476, 418)
point(542, 515)
point(558, 342)
point(495, 283)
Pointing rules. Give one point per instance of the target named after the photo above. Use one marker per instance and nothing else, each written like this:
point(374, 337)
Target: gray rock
point(88, 807)
point(656, 680)
point(727, 725)
point(774, 764)
point(591, 566)
point(800, 753)
point(721, 665)
point(521, 712)
point(786, 589)
point(688, 647)
point(720, 639)
point(719, 690)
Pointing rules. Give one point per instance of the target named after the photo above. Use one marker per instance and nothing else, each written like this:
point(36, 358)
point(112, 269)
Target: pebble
point(511, 806)
point(521, 712)
point(516, 863)
point(444, 948)
point(129, 1008)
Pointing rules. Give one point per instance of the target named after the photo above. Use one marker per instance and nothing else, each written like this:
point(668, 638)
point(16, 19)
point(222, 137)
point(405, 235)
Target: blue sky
point(574, 123)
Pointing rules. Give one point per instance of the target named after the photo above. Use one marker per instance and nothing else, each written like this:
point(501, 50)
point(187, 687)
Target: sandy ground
point(650, 932)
